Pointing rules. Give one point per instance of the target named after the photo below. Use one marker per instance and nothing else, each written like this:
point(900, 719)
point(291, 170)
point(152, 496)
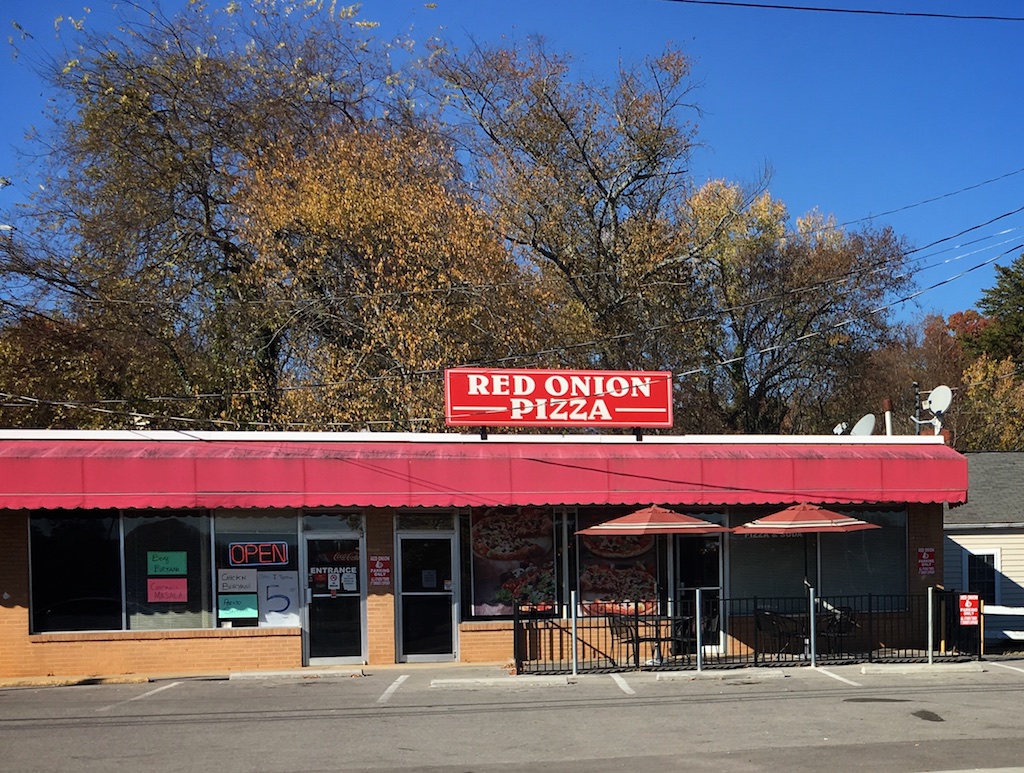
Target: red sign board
point(164, 589)
point(925, 561)
point(969, 608)
point(557, 398)
point(380, 570)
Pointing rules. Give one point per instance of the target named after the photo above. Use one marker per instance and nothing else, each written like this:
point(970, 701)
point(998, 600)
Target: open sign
point(258, 553)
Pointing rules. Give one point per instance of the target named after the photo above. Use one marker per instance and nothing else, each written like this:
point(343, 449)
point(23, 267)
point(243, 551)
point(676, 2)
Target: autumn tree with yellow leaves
point(262, 222)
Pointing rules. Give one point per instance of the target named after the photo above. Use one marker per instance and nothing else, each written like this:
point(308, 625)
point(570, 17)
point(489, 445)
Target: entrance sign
point(969, 603)
point(557, 398)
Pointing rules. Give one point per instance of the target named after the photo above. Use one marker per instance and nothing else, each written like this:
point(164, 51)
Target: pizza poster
point(513, 558)
point(616, 572)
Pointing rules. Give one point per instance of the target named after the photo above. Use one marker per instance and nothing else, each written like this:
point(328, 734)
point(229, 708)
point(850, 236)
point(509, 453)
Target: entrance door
point(699, 565)
point(334, 600)
point(427, 599)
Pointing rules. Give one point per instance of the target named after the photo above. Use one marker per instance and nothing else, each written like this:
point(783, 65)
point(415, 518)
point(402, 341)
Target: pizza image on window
point(620, 583)
point(513, 536)
point(618, 546)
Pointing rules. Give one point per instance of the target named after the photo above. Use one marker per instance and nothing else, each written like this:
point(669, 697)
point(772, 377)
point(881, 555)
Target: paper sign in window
point(166, 562)
point(162, 590)
point(235, 605)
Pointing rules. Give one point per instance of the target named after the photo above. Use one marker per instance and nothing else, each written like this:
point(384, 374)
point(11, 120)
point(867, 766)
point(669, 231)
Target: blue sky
point(857, 115)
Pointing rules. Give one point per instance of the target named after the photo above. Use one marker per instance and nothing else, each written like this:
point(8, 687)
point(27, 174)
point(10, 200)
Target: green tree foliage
point(1002, 335)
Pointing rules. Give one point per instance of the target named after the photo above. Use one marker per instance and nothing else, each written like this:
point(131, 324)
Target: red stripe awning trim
point(93, 470)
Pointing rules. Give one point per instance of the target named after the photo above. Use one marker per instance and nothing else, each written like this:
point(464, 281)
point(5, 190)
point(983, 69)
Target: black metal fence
point(730, 633)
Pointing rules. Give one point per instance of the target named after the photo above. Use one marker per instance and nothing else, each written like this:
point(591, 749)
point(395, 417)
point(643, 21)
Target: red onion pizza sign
point(557, 398)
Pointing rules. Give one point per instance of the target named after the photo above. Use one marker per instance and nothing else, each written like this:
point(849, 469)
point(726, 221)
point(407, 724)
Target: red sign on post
point(969, 609)
point(557, 398)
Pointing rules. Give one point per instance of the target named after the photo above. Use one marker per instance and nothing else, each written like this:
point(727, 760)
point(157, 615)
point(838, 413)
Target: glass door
point(698, 563)
point(335, 600)
point(427, 598)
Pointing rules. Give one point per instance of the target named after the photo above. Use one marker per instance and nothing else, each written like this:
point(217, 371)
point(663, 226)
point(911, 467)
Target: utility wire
point(856, 11)
point(25, 401)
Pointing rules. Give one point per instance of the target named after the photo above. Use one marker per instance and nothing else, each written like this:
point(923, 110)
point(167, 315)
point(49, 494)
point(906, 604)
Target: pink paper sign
point(164, 589)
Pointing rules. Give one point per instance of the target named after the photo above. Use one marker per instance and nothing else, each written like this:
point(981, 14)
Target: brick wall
point(13, 592)
point(485, 642)
point(924, 530)
point(380, 599)
point(120, 652)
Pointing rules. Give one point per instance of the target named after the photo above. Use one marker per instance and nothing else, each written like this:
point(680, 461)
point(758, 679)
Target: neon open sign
point(258, 553)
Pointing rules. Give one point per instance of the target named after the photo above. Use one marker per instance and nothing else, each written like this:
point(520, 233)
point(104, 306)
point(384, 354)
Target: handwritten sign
point(160, 590)
point(279, 599)
point(236, 581)
point(236, 605)
point(166, 562)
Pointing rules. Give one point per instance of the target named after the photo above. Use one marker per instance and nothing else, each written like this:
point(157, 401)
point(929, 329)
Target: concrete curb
point(326, 673)
point(501, 681)
point(731, 673)
point(971, 667)
point(71, 681)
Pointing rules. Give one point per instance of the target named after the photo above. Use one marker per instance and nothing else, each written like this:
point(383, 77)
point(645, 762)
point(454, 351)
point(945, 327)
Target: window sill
point(195, 633)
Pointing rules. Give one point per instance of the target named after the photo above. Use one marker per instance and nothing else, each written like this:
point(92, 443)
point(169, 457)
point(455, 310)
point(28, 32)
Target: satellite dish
point(939, 399)
point(865, 426)
point(840, 428)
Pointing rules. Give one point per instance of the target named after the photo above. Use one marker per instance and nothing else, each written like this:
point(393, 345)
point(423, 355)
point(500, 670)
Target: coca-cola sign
point(557, 398)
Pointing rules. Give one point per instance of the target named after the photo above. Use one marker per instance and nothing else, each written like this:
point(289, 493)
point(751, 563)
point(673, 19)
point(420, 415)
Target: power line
point(26, 401)
point(852, 11)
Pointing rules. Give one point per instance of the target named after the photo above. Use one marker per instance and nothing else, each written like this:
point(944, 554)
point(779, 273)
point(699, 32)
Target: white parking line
point(140, 697)
point(391, 690)
point(1003, 665)
point(826, 672)
point(623, 684)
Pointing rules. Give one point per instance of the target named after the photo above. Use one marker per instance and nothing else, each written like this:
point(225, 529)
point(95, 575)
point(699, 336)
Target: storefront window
point(346, 521)
point(854, 563)
point(617, 572)
point(257, 570)
point(79, 561)
point(167, 571)
point(513, 559)
point(427, 522)
point(76, 572)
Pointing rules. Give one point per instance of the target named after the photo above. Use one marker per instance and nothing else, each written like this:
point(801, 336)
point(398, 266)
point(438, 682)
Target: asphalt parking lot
point(433, 719)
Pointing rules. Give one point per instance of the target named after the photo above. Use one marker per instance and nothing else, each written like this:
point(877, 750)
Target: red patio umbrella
point(804, 519)
point(654, 520)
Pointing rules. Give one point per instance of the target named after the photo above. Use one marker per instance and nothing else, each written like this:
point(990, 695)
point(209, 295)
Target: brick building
point(168, 552)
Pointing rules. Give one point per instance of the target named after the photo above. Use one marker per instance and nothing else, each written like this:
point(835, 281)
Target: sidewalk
point(466, 671)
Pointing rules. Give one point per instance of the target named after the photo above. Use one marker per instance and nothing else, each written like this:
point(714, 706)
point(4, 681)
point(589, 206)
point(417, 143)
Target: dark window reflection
point(76, 573)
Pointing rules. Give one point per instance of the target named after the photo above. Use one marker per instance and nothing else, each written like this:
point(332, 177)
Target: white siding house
point(984, 542)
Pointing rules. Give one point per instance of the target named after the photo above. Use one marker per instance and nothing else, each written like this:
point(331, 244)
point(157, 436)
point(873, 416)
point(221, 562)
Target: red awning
point(122, 470)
